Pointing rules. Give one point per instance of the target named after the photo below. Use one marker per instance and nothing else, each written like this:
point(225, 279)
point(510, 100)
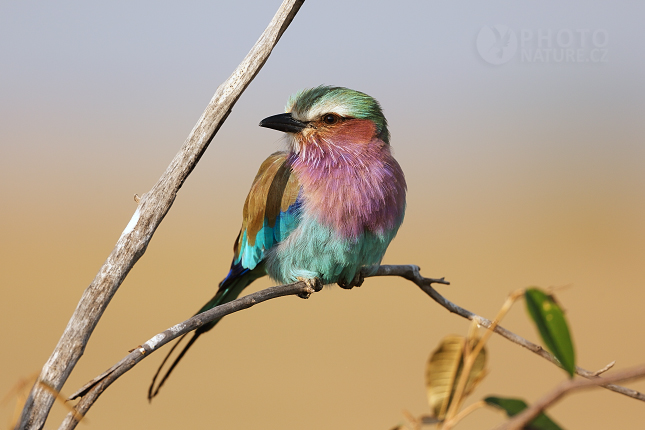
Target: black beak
point(283, 122)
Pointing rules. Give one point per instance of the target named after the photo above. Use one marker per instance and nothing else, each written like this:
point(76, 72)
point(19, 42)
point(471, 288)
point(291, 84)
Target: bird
point(324, 210)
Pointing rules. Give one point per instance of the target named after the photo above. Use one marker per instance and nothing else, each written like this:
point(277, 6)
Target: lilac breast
point(351, 187)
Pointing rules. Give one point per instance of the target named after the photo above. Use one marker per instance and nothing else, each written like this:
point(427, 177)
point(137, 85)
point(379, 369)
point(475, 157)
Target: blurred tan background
point(524, 173)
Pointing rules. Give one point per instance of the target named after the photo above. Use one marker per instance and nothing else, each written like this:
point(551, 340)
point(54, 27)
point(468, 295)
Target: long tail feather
point(152, 391)
point(229, 289)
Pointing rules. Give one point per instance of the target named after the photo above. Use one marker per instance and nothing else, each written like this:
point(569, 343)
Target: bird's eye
point(330, 119)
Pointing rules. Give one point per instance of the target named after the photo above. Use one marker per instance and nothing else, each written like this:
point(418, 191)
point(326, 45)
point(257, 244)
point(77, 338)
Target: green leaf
point(513, 407)
point(552, 325)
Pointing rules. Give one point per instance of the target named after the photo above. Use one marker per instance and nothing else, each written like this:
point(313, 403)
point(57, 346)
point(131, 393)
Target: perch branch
point(520, 420)
point(90, 392)
point(151, 209)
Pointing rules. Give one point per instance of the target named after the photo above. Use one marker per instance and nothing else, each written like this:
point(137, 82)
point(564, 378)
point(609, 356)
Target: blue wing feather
point(251, 255)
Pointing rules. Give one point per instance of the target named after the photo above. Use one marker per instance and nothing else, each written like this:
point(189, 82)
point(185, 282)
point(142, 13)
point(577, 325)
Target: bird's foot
point(313, 286)
point(356, 282)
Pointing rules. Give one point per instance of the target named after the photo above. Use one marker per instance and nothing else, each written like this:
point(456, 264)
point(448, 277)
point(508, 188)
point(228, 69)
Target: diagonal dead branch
point(152, 208)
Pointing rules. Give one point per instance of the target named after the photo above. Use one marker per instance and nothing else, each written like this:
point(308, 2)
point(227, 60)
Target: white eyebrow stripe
point(321, 109)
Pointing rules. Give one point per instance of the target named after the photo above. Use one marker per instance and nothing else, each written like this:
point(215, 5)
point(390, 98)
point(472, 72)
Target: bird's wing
point(271, 212)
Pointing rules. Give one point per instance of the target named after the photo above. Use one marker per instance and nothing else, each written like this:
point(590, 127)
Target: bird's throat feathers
point(350, 181)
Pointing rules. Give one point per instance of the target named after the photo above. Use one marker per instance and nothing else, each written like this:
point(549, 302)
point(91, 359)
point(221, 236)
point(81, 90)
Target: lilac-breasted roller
point(323, 210)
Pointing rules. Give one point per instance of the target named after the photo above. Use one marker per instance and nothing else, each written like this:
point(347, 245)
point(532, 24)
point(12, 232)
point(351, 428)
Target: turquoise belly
point(314, 250)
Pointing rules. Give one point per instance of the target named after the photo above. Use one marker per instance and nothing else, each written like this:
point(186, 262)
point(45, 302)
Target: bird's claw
point(356, 282)
point(313, 286)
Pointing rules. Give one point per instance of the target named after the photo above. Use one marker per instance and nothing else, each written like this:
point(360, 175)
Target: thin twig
point(604, 369)
point(411, 273)
point(468, 410)
point(151, 210)
point(520, 420)
point(413, 422)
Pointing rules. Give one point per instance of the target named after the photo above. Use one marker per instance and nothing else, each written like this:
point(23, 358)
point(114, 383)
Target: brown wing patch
point(275, 188)
point(291, 191)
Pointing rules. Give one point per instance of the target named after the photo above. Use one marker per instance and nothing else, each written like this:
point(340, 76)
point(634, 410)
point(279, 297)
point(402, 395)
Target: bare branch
point(412, 273)
point(90, 392)
point(151, 210)
point(520, 420)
